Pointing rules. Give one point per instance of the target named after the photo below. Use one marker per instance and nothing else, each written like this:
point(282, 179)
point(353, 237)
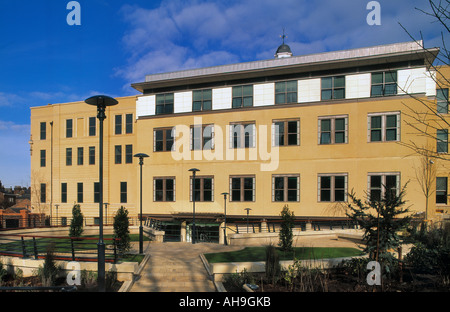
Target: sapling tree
point(76, 225)
point(382, 221)
point(121, 230)
point(286, 235)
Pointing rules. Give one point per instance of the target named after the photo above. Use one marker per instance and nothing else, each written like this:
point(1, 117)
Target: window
point(128, 123)
point(96, 192)
point(442, 141)
point(201, 100)
point(332, 188)
point(43, 131)
point(123, 192)
point(442, 101)
point(204, 189)
point(242, 96)
point(80, 152)
point(286, 92)
point(118, 154)
point(80, 192)
point(333, 88)
point(333, 130)
point(69, 156)
point(43, 192)
point(164, 189)
point(92, 126)
point(285, 132)
point(441, 190)
point(129, 154)
point(384, 83)
point(63, 192)
point(384, 127)
point(242, 188)
point(242, 135)
point(164, 103)
point(69, 128)
point(118, 124)
point(91, 155)
point(202, 137)
point(285, 188)
point(163, 139)
point(43, 158)
point(381, 183)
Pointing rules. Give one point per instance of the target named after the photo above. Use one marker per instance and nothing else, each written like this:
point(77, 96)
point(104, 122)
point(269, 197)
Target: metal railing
point(63, 248)
point(39, 288)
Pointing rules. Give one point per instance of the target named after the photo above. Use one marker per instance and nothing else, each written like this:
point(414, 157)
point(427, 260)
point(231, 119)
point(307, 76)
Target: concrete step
point(176, 286)
point(181, 277)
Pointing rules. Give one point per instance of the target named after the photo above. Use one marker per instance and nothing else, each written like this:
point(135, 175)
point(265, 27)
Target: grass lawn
point(252, 254)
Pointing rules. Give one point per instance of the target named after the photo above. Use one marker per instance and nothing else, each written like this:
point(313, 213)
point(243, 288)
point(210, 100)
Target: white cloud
point(179, 35)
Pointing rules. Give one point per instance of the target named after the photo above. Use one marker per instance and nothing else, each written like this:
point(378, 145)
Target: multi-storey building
point(301, 131)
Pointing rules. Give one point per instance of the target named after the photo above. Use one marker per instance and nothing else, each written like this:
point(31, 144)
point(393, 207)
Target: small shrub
point(88, 279)
point(3, 273)
point(121, 230)
point(76, 225)
point(286, 235)
point(50, 271)
point(235, 281)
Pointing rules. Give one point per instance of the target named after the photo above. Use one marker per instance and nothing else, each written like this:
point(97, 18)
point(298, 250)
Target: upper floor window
point(80, 192)
point(118, 154)
point(333, 88)
point(92, 126)
point(442, 141)
point(43, 130)
point(91, 155)
point(80, 158)
point(69, 128)
point(286, 92)
point(163, 139)
point(43, 158)
point(129, 154)
point(201, 100)
point(69, 156)
point(384, 83)
point(118, 124)
point(333, 129)
point(384, 127)
point(164, 103)
point(128, 123)
point(242, 135)
point(242, 96)
point(43, 192)
point(442, 101)
point(123, 192)
point(64, 192)
point(96, 192)
point(286, 132)
point(202, 137)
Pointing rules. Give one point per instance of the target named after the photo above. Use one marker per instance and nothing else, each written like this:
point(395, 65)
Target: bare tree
point(426, 176)
point(430, 119)
point(37, 201)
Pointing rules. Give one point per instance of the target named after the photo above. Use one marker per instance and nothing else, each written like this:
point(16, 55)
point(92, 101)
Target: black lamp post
point(101, 101)
point(141, 157)
point(193, 170)
point(248, 210)
point(106, 213)
point(225, 220)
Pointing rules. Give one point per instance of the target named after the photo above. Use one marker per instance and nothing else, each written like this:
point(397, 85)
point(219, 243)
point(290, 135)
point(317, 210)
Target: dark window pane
point(325, 195)
point(325, 182)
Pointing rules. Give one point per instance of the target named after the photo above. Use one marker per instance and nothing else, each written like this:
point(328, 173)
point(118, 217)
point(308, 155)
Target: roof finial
point(283, 36)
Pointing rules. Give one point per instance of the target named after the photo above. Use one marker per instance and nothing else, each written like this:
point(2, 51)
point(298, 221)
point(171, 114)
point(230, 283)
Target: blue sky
point(44, 60)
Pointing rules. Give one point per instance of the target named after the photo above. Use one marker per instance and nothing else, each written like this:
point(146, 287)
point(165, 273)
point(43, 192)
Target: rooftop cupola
point(283, 50)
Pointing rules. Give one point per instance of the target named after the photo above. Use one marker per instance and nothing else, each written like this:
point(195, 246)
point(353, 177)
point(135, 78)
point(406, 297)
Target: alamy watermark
point(244, 141)
point(374, 276)
point(74, 16)
point(374, 16)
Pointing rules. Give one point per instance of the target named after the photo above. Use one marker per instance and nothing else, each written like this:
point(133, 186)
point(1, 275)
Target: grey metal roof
point(244, 70)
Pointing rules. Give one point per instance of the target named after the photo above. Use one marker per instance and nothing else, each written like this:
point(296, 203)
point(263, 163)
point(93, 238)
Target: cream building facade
point(301, 131)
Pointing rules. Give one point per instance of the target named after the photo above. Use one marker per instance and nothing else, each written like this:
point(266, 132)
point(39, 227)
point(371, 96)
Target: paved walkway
point(177, 267)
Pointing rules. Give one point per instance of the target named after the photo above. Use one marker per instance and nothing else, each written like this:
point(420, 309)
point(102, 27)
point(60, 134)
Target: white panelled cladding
point(357, 86)
point(145, 106)
point(309, 90)
point(264, 94)
point(182, 102)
